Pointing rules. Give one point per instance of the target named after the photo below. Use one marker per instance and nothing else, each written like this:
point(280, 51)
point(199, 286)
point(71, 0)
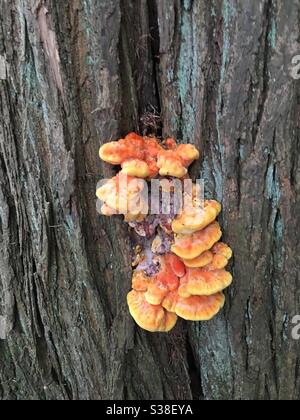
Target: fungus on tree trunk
point(179, 263)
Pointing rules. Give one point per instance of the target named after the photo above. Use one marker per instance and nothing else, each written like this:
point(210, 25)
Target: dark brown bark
point(74, 74)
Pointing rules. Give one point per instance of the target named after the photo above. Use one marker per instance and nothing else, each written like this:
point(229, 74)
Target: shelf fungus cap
point(153, 318)
point(191, 246)
point(136, 154)
point(195, 218)
point(204, 259)
point(176, 265)
point(124, 195)
point(194, 308)
point(131, 217)
point(170, 164)
point(106, 210)
point(175, 162)
point(116, 152)
point(167, 280)
point(199, 282)
point(140, 282)
point(187, 153)
point(136, 167)
point(221, 256)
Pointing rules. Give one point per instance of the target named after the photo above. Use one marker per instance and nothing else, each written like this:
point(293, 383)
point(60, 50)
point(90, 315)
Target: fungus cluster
point(179, 262)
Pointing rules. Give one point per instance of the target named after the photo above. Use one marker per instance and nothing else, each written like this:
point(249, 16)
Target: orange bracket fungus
point(178, 262)
point(145, 157)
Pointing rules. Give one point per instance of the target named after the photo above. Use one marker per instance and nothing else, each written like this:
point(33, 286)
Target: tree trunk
point(77, 73)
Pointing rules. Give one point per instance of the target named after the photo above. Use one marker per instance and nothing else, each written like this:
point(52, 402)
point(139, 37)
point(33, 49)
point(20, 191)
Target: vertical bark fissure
point(194, 372)
point(155, 50)
point(265, 58)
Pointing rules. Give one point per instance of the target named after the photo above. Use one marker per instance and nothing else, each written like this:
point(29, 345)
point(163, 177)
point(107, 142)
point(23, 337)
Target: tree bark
point(75, 74)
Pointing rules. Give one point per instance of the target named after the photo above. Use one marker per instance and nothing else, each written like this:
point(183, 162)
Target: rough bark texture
point(74, 74)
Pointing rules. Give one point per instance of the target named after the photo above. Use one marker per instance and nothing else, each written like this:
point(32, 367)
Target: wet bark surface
point(75, 74)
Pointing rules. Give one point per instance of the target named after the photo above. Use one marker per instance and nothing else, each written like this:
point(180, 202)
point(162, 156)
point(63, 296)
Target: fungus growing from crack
point(137, 155)
point(145, 157)
point(178, 262)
